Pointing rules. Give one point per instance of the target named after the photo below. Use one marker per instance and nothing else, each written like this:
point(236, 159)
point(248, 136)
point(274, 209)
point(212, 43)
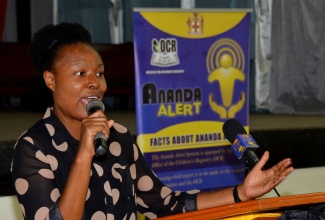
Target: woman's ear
point(49, 80)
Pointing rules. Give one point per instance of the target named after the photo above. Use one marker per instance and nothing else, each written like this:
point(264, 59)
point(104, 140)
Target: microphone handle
point(100, 143)
point(251, 157)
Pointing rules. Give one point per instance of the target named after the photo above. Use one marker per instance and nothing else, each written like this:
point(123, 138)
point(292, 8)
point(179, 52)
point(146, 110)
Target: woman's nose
point(92, 81)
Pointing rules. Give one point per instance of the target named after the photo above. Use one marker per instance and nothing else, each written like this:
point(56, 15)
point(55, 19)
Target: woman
point(55, 170)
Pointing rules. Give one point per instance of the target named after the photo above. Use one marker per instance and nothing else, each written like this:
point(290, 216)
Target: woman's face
point(78, 76)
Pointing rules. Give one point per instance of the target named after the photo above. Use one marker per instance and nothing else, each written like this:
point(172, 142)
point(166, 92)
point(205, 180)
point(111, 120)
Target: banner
point(191, 73)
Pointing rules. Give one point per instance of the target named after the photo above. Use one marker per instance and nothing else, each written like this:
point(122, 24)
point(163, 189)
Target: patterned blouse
point(119, 186)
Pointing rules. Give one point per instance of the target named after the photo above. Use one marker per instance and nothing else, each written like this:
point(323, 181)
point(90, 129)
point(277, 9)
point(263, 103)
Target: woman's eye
point(100, 74)
point(80, 73)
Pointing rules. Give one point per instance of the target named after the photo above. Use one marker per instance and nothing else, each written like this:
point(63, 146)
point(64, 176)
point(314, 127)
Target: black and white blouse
point(119, 186)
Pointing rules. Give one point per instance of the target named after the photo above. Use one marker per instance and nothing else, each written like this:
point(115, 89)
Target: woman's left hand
point(259, 181)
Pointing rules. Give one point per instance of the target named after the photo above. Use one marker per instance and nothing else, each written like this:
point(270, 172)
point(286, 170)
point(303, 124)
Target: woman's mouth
point(88, 99)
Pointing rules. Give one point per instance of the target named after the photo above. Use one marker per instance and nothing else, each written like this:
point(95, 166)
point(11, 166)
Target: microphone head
point(95, 105)
point(232, 128)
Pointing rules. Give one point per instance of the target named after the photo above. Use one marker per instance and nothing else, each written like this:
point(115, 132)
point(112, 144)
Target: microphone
point(242, 143)
point(100, 140)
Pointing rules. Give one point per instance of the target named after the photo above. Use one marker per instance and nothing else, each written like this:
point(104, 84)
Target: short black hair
point(50, 38)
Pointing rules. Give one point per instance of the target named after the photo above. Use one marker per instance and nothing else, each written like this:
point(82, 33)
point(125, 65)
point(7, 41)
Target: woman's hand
point(90, 126)
point(259, 181)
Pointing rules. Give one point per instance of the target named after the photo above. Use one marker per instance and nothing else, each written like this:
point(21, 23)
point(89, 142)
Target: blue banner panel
point(191, 71)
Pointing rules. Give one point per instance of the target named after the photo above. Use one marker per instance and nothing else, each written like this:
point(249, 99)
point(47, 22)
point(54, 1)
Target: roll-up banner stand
point(191, 73)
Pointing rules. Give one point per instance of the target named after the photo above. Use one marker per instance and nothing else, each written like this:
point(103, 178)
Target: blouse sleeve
point(153, 198)
point(34, 181)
